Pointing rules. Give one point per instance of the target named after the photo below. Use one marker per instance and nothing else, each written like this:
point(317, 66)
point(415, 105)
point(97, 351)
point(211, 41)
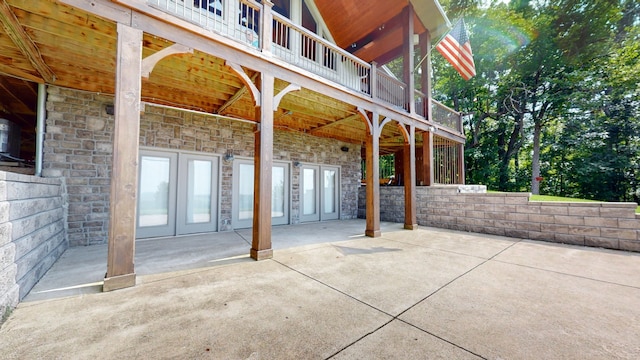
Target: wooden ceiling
point(80, 49)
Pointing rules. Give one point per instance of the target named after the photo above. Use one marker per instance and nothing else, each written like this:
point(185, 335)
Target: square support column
point(427, 158)
point(261, 242)
point(124, 175)
point(373, 183)
point(425, 69)
point(461, 169)
point(408, 57)
point(409, 159)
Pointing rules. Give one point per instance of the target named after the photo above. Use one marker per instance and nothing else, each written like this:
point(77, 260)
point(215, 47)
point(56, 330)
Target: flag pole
point(433, 46)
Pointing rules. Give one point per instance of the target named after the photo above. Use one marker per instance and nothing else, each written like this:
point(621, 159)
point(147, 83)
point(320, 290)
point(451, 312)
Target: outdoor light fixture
point(344, 149)
point(297, 164)
point(110, 109)
point(228, 156)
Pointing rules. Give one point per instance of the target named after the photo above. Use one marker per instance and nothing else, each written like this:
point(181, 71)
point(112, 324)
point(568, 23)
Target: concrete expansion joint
point(394, 317)
point(568, 274)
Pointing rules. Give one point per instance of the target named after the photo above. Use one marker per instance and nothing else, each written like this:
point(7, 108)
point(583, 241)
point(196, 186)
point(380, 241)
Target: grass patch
point(5, 314)
point(558, 198)
point(566, 199)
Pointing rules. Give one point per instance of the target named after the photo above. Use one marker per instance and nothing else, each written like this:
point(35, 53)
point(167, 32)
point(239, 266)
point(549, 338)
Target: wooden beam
point(19, 98)
point(334, 123)
point(378, 33)
point(263, 163)
point(21, 39)
point(124, 178)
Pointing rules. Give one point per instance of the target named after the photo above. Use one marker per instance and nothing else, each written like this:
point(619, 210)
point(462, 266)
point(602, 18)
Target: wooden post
point(425, 69)
point(261, 243)
point(124, 175)
point(267, 26)
point(408, 58)
point(409, 158)
point(373, 80)
point(427, 158)
point(372, 150)
point(461, 169)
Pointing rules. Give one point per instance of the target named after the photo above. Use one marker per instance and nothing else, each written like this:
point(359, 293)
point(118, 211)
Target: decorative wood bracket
point(150, 61)
point(232, 100)
point(384, 122)
point(283, 92)
point(21, 39)
point(255, 93)
point(364, 115)
point(406, 133)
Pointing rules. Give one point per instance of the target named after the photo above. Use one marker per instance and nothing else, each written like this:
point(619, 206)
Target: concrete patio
point(330, 292)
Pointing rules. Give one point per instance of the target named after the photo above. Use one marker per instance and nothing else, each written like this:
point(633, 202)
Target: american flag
point(456, 48)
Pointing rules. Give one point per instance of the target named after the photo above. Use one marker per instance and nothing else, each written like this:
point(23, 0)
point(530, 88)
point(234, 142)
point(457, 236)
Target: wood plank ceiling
point(80, 50)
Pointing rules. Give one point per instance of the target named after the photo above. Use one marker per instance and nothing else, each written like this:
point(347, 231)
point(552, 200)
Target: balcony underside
point(80, 49)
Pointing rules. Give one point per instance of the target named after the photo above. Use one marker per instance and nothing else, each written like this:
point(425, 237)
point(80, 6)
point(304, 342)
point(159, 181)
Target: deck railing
point(241, 20)
point(391, 90)
point(299, 46)
point(445, 116)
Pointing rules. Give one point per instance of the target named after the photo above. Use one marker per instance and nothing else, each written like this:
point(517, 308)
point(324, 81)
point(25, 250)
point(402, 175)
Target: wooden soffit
point(370, 30)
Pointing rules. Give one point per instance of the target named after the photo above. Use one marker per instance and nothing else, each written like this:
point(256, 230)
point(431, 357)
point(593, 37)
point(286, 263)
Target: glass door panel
point(243, 194)
point(197, 194)
point(277, 192)
point(310, 192)
point(320, 193)
point(330, 193)
point(156, 194)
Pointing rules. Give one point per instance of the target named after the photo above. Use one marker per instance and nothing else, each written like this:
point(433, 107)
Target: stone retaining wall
point(32, 233)
point(607, 225)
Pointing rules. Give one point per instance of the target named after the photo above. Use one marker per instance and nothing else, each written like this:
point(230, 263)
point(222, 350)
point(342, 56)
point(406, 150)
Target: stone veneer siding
point(78, 147)
point(468, 208)
point(32, 233)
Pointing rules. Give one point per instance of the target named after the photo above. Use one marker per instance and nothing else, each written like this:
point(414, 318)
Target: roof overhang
point(432, 16)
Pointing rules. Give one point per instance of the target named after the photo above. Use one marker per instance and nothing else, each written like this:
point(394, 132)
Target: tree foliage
point(555, 104)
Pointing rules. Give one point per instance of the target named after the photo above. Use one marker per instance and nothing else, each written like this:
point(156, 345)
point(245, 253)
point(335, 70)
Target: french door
point(243, 172)
point(178, 194)
point(319, 193)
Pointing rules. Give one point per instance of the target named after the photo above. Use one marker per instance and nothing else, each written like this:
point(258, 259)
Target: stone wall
point(608, 225)
point(78, 147)
point(32, 233)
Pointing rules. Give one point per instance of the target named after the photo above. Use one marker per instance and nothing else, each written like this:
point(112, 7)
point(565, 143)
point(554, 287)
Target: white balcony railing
point(299, 46)
point(241, 20)
point(391, 90)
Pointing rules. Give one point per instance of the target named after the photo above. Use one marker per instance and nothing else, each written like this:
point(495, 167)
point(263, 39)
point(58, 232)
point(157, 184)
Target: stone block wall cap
point(15, 177)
